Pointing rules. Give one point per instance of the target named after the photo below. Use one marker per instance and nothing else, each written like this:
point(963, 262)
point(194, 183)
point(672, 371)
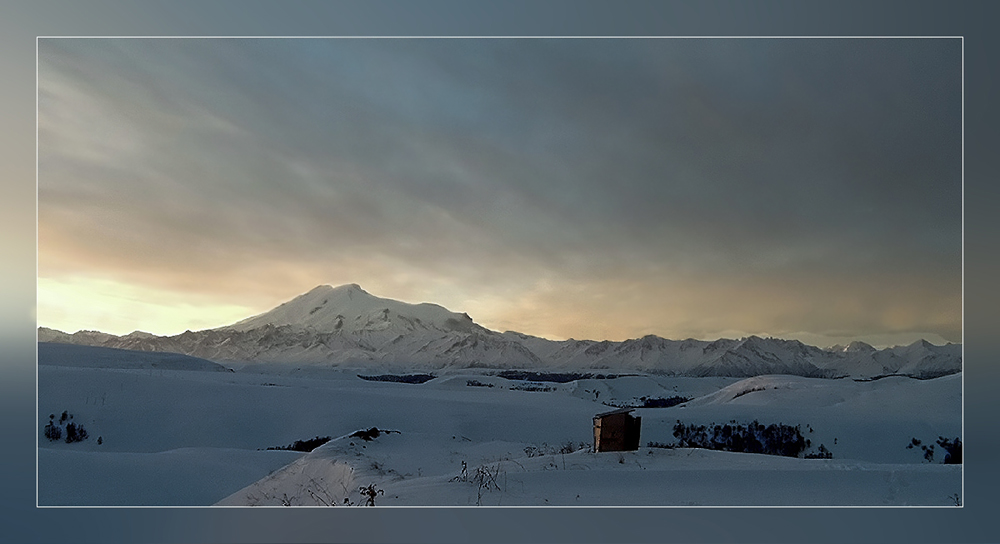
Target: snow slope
point(199, 437)
point(51, 353)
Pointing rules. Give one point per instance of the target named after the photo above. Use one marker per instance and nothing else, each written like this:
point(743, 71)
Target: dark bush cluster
point(662, 402)
point(53, 432)
point(755, 437)
point(54, 429)
point(371, 434)
point(924, 375)
point(927, 449)
point(823, 453)
point(557, 377)
point(953, 449)
point(75, 433)
point(748, 391)
point(406, 378)
point(303, 445)
point(529, 386)
point(477, 383)
point(649, 402)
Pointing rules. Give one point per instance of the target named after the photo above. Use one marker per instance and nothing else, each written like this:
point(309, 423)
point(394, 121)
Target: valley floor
point(186, 437)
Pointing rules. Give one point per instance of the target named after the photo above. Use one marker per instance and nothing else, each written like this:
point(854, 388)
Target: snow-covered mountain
point(350, 309)
point(347, 326)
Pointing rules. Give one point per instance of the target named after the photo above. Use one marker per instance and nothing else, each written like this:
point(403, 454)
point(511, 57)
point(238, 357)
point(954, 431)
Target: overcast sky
point(603, 189)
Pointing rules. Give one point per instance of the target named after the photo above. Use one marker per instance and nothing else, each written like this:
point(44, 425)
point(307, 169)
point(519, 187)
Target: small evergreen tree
point(928, 452)
point(53, 432)
point(71, 433)
point(75, 433)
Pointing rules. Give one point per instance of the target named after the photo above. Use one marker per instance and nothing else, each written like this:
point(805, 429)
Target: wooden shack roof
point(613, 412)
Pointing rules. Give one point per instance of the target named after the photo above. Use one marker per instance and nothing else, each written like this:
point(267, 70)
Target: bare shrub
point(370, 493)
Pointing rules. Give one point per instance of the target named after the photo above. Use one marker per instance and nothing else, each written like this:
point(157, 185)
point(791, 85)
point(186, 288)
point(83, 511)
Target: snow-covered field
point(198, 436)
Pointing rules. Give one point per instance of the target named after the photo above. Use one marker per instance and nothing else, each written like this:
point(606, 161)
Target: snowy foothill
point(177, 431)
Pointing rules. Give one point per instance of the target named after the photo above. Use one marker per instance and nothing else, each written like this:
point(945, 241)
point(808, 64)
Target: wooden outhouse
point(616, 430)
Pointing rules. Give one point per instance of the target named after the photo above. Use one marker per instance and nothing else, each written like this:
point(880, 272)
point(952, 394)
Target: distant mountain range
point(347, 326)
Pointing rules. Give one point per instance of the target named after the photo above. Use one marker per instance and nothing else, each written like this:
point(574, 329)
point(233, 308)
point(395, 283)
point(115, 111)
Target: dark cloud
point(810, 164)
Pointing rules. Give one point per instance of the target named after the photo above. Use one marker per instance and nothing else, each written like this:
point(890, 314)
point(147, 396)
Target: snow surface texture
point(98, 357)
point(346, 326)
point(187, 419)
point(199, 436)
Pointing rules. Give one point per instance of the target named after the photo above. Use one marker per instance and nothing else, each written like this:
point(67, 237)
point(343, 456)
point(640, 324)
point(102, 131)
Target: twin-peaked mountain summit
point(348, 326)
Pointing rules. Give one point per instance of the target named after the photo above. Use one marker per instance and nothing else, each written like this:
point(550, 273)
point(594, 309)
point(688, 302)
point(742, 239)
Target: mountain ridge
point(346, 325)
